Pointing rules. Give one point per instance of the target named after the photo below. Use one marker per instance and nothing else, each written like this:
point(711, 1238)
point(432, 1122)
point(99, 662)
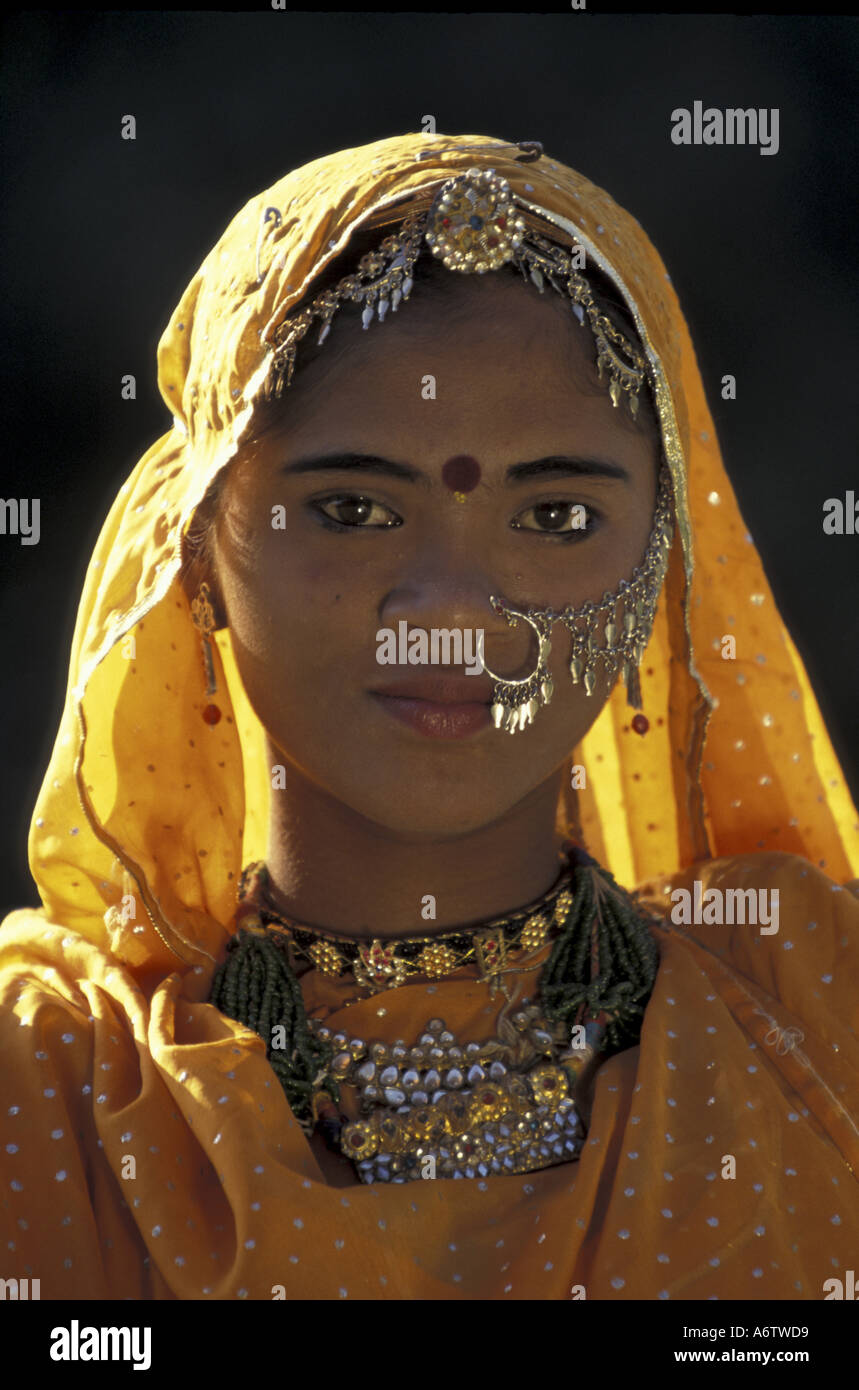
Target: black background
point(100, 236)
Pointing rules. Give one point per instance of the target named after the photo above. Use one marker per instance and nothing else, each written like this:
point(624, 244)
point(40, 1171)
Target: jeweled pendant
point(633, 689)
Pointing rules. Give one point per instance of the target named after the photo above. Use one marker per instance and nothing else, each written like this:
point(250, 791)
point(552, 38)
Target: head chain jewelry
point(474, 227)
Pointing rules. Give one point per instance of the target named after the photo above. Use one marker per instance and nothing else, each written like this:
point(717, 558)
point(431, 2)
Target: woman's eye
point(556, 518)
point(356, 511)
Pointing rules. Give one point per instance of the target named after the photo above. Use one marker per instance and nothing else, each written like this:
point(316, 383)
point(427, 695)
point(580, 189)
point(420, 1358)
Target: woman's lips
point(436, 720)
point(439, 708)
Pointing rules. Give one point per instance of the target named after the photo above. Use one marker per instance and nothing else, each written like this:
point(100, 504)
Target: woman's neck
point(333, 869)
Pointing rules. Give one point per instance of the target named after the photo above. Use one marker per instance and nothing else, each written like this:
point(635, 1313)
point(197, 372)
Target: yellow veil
point(142, 798)
point(147, 815)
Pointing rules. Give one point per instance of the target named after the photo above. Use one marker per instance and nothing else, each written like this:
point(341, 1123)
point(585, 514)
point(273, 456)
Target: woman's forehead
point(471, 337)
point(477, 395)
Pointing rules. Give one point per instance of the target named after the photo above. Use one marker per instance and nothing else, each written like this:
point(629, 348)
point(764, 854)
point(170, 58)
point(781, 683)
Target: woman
point(320, 935)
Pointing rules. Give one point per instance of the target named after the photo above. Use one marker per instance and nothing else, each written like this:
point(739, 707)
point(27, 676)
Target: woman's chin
point(409, 813)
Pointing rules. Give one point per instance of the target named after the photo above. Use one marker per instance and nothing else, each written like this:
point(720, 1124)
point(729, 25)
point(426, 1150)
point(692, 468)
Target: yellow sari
point(148, 1149)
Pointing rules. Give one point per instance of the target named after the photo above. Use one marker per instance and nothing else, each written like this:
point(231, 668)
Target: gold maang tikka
point(473, 225)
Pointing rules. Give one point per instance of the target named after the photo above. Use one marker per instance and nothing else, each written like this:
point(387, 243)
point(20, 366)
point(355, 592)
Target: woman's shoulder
point(790, 876)
point(777, 919)
point(50, 967)
point(29, 937)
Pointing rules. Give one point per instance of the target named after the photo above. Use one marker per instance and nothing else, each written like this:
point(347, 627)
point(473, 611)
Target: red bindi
point(461, 474)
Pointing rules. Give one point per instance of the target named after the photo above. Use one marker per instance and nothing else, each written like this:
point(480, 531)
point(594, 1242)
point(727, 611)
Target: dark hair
point(431, 274)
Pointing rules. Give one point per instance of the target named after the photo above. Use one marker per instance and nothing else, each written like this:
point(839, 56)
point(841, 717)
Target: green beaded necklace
point(602, 968)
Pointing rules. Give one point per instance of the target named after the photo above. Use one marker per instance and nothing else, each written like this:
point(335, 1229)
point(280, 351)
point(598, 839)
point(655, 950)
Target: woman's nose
point(449, 600)
point(458, 598)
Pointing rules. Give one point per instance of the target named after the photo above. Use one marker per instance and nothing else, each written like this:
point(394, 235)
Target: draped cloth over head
point(147, 815)
point(137, 777)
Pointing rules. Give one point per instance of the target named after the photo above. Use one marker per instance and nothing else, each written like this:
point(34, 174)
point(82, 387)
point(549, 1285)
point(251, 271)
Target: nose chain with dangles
point(612, 633)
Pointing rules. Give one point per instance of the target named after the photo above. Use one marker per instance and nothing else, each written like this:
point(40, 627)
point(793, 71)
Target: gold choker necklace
point(380, 964)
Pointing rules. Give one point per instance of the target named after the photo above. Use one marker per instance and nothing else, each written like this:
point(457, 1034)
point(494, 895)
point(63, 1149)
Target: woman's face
point(305, 597)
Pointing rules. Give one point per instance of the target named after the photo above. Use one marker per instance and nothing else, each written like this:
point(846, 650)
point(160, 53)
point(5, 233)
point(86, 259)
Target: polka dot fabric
point(148, 1150)
point(146, 816)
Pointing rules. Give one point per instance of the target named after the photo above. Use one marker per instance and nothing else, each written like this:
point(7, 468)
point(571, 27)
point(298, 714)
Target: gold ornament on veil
point(473, 226)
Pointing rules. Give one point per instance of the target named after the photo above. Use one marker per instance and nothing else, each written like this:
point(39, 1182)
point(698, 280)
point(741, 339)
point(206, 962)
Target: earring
point(514, 703)
point(203, 616)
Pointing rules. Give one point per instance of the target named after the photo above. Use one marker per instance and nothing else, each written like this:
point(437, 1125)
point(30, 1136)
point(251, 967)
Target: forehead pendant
point(461, 474)
point(473, 224)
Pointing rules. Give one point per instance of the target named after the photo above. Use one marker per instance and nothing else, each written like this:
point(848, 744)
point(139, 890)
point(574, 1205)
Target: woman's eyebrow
point(567, 466)
point(357, 463)
point(554, 466)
